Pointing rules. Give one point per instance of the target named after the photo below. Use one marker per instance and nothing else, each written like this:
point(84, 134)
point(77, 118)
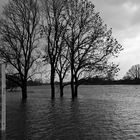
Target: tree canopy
point(19, 36)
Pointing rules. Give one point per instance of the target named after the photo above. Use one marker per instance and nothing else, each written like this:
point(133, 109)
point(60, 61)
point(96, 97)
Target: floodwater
point(101, 112)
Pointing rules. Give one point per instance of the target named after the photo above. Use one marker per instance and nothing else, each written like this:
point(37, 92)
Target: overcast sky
point(123, 17)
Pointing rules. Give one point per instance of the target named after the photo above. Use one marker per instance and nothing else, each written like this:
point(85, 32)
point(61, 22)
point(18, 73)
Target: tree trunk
point(72, 86)
point(61, 88)
point(24, 90)
point(61, 91)
point(72, 74)
point(76, 87)
point(76, 90)
point(52, 83)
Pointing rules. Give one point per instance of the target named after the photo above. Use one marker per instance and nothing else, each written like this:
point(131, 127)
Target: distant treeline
point(102, 81)
point(12, 82)
point(89, 81)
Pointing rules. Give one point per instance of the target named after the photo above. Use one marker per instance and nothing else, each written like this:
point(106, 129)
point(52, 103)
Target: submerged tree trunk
point(52, 83)
point(72, 82)
point(76, 91)
point(72, 86)
point(61, 88)
point(76, 87)
point(61, 91)
point(24, 90)
point(72, 72)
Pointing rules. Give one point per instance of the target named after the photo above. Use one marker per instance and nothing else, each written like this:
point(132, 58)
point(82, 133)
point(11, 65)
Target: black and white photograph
point(69, 70)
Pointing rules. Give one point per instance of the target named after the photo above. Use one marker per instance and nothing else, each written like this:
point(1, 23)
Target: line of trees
point(132, 76)
point(133, 73)
point(77, 44)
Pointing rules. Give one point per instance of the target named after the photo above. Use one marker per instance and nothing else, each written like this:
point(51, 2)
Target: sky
point(123, 17)
point(2, 2)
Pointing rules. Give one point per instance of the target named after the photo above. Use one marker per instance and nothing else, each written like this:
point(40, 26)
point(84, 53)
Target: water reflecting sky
point(100, 112)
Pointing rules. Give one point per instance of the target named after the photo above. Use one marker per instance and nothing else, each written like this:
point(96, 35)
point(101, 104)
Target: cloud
point(123, 17)
point(117, 13)
point(2, 3)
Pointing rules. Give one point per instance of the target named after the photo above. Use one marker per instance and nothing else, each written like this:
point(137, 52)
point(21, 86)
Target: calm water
point(99, 113)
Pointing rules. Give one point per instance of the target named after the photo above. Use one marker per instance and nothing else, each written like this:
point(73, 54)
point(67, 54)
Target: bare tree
point(53, 26)
point(19, 38)
point(133, 73)
point(63, 67)
point(90, 43)
point(110, 71)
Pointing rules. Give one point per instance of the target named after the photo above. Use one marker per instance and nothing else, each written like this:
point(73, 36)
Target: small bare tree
point(134, 72)
point(19, 37)
point(110, 71)
point(54, 28)
point(63, 67)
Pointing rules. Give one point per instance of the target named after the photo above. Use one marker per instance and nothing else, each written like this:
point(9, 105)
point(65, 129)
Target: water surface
point(99, 113)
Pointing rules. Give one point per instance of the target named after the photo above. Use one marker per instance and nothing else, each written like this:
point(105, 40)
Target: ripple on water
point(100, 113)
